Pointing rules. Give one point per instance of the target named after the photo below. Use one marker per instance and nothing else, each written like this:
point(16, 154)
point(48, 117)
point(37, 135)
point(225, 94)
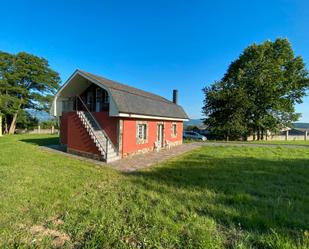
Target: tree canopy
point(26, 82)
point(258, 92)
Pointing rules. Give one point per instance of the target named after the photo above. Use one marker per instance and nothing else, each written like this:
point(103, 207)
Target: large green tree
point(258, 92)
point(26, 82)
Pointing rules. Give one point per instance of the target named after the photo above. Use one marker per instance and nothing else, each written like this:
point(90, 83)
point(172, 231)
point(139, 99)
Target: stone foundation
point(85, 154)
point(167, 146)
point(153, 148)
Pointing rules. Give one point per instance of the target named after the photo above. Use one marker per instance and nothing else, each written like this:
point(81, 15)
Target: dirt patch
point(41, 231)
point(55, 220)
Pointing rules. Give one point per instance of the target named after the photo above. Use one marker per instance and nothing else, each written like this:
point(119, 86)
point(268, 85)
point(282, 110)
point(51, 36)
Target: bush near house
point(221, 197)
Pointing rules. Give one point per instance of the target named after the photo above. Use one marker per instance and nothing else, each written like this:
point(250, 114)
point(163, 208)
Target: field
point(282, 142)
point(213, 197)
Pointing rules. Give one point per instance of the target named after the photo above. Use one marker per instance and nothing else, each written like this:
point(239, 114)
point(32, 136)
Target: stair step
point(112, 159)
point(98, 136)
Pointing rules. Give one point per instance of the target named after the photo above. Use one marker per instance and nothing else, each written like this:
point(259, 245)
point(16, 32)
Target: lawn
point(213, 197)
point(283, 142)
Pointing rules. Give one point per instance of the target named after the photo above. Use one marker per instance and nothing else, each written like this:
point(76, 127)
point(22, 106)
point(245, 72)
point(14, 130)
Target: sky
point(157, 45)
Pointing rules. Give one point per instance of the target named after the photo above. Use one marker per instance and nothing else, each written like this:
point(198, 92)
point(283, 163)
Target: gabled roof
point(130, 100)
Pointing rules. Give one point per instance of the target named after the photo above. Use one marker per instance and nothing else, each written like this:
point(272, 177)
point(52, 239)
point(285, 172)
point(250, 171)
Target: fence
point(38, 130)
point(285, 137)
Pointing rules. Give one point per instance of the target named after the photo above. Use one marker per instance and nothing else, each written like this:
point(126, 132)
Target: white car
point(193, 135)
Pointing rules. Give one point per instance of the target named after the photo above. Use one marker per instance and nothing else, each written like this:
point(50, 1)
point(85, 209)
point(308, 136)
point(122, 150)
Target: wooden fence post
point(287, 135)
point(39, 129)
point(52, 129)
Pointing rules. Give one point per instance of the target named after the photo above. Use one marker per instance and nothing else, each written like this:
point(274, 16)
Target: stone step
point(112, 159)
point(111, 153)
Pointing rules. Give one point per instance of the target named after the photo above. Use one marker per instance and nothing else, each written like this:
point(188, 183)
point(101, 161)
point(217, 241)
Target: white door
point(160, 135)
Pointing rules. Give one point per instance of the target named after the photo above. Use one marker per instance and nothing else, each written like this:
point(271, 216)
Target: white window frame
point(105, 97)
point(89, 98)
point(174, 129)
point(141, 132)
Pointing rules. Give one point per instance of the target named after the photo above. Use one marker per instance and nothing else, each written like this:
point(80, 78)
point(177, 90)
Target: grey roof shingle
point(135, 101)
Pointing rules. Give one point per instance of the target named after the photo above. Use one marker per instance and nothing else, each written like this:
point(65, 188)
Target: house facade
point(107, 120)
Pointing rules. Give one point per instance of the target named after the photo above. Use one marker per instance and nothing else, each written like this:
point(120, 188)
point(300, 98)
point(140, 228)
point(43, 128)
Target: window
point(99, 94)
point(98, 102)
point(174, 129)
point(105, 97)
point(142, 131)
point(89, 99)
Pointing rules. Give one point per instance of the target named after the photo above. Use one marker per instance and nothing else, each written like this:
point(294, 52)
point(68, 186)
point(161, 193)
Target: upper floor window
point(89, 99)
point(105, 97)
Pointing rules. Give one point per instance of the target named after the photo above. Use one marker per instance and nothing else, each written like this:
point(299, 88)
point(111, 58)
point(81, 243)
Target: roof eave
point(132, 115)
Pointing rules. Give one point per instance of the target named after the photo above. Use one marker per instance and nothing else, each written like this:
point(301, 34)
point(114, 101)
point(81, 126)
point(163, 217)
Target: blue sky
point(153, 45)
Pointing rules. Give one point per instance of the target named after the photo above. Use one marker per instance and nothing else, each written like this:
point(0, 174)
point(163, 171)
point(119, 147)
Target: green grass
point(213, 197)
point(283, 142)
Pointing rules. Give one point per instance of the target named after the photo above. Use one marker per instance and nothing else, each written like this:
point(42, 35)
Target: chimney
point(175, 96)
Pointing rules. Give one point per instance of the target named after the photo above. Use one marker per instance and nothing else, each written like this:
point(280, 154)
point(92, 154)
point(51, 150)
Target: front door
point(160, 135)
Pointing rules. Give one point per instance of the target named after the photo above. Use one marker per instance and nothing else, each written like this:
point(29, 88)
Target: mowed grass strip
point(213, 197)
point(283, 142)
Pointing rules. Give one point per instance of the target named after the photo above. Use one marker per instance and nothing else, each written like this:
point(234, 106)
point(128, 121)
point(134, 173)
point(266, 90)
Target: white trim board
point(127, 115)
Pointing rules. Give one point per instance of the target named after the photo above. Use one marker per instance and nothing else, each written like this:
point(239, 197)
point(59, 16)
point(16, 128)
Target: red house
point(106, 120)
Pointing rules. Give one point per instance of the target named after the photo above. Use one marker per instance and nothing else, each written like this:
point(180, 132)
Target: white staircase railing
point(102, 143)
point(102, 148)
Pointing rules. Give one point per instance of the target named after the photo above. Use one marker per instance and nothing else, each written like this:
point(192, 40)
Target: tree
point(192, 128)
point(26, 121)
point(9, 102)
point(258, 92)
point(26, 82)
point(225, 109)
point(47, 124)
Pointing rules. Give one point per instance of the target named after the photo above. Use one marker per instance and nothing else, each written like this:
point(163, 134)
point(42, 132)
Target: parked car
point(193, 135)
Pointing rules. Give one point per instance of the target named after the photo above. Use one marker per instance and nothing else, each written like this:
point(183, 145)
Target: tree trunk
point(245, 137)
point(6, 125)
point(13, 124)
point(254, 134)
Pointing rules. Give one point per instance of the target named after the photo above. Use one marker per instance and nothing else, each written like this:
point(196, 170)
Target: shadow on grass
point(252, 193)
point(42, 141)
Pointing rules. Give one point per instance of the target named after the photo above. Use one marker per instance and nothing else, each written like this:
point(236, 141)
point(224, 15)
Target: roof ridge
point(162, 99)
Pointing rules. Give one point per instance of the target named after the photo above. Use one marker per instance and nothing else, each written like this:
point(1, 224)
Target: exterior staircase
point(108, 151)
